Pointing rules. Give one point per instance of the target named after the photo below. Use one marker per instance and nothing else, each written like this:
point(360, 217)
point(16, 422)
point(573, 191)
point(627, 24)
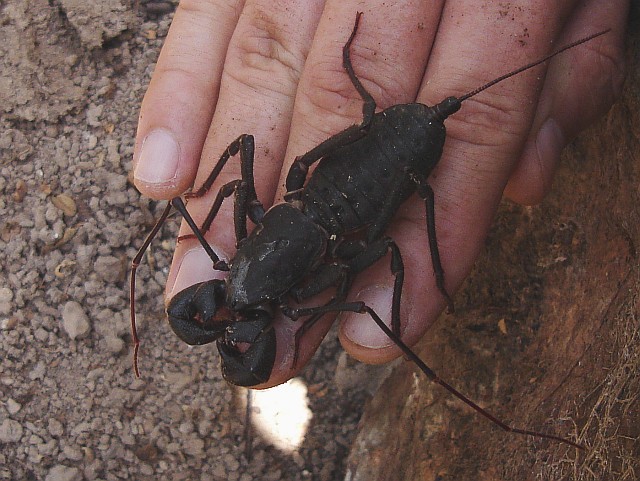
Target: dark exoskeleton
point(324, 235)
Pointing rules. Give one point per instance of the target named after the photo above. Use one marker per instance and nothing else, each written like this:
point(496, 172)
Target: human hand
point(275, 70)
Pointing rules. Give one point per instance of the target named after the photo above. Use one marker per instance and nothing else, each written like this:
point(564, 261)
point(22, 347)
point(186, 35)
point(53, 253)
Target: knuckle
point(266, 57)
point(489, 120)
point(210, 7)
point(381, 79)
point(181, 79)
point(329, 93)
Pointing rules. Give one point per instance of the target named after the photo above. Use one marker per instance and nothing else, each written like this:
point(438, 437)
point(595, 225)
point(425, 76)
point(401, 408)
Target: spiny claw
point(252, 366)
point(191, 313)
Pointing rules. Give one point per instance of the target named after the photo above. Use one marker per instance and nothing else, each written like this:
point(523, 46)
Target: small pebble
point(13, 406)
point(55, 428)
point(74, 320)
point(61, 472)
point(10, 431)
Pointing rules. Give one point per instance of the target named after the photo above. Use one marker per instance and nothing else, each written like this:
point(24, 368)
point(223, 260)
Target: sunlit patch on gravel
point(282, 415)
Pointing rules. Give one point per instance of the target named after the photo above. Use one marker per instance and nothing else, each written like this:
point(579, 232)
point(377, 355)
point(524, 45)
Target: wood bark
point(546, 335)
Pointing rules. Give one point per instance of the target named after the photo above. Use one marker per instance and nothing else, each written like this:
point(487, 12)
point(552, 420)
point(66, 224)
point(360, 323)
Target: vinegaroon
point(326, 232)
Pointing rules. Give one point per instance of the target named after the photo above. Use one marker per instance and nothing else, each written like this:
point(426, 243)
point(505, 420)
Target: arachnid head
point(246, 339)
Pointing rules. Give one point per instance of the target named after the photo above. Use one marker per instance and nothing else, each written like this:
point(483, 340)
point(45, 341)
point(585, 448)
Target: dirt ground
point(72, 78)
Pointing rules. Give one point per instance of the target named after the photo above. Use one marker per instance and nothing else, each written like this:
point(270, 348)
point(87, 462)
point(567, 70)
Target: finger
point(483, 140)
point(389, 55)
point(179, 103)
point(265, 57)
point(580, 86)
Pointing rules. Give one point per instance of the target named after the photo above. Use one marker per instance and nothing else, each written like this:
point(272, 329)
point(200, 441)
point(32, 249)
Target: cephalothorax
point(330, 228)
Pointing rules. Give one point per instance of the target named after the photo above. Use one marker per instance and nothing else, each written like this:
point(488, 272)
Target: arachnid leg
point(369, 106)
point(225, 191)
point(332, 274)
point(362, 308)
point(343, 276)
point(246, 199)
point(376, 251)
point(182, 208)
point(426, 193)
point(244, 145)
point(298, 171)
point(132, 287)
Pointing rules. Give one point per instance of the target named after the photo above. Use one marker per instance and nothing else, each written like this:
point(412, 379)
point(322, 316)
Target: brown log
point(546, 335)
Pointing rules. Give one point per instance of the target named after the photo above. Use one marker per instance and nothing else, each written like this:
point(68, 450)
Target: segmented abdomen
point(351, 186)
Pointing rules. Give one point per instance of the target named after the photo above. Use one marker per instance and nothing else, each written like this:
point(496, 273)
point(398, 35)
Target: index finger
point(181, 98)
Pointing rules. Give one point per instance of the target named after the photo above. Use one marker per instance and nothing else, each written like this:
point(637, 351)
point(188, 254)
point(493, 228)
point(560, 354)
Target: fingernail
point(360, 328)
point(158, 159)
point(195, 266)
point(550, 142)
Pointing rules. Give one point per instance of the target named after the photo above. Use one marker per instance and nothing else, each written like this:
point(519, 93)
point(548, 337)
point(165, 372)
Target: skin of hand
point(274, 69)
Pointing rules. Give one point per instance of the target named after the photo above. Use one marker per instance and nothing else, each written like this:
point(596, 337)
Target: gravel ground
point(72, 78)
